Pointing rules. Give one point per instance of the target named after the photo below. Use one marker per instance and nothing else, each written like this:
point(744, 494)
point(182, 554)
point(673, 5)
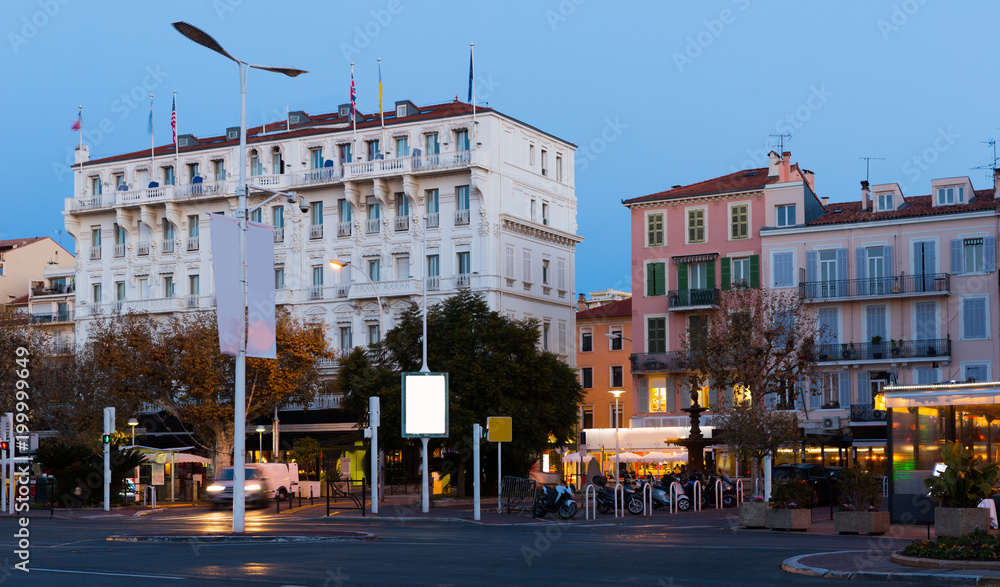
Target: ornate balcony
point(374, 225)
point(461, 217)
point(315, 231)
point(888, 351)
point(658, 362)
point(689, 299)
point(279, 234)
point(402, 223)
point(876, 287)
point(344, 228)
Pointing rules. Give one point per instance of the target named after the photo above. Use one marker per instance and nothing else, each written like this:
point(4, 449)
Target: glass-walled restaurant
point(920, 419)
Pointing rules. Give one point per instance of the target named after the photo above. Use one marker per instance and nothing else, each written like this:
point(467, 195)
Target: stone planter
point(753, 514)
point(960, 521)
point(861, 522)
point(797, 519)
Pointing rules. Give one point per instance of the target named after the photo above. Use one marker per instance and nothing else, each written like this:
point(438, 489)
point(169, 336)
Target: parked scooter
point(606, 497)
point(660, 492)
point(558, 501)
point(728, 491)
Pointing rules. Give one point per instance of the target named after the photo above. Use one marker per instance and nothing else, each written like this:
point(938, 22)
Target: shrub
point(860, 490)
point(791, 494)
point(977, 545)
point(966, 481)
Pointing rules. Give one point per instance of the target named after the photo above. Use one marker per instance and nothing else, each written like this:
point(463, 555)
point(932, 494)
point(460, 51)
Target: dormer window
point(951, 195)
point(885, 202)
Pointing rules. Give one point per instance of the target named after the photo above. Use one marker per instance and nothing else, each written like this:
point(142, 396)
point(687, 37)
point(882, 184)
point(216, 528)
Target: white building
point(498, 194)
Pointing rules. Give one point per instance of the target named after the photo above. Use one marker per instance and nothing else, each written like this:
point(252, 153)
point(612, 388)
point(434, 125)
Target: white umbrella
point(654, 457)
point(628, 457)
point(575, 458)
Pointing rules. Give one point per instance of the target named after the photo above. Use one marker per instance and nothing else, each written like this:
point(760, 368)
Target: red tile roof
point(609, 310)
point(847, 212)
point(254, 134)
point(6, 245)
point(740, 181)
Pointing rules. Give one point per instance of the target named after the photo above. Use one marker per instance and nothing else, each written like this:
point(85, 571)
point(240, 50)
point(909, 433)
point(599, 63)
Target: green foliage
point(859, 489)
point(79, 472)
point(791, 494)
point(752, 432)
point(494, 367)
point(306, 451)
point(966, 481)
point(977, 545)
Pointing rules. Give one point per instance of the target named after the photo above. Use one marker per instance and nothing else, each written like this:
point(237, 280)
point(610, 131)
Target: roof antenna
point(781, 141)
point(868, 161)
point(992, 167)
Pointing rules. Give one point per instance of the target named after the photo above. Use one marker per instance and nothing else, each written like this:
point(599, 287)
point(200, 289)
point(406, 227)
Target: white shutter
point(642, 385)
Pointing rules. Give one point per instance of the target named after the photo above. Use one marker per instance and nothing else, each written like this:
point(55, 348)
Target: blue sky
point(653, 93)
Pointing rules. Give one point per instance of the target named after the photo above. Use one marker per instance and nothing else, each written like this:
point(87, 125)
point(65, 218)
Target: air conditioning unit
point(831, 423)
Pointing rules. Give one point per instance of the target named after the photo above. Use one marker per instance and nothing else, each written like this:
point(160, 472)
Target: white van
point(263, 482)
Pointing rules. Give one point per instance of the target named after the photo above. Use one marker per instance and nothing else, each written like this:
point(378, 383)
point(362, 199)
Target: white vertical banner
point(260, 291)
point(226, 264)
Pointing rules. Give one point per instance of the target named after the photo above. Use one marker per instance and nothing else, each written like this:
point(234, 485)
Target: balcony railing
point(866, 413)
point(434, 283)
point(463, 280)
point(279, 234)
point(320, 402)
point(315, 231)
point(142, 249)
point(95, 253)
point(192, 301)
point(167, 246)
point(52, 317)
point(116, 306)
point(192, 243)
point(134, 197)
point(315, 176)
point(268, 181)
point(402, 223)
point(384, 288)
point(433, 220)
point(342, 290)
point(685, 298)
point(344, 228)
point(409, 164)
point(884, 350)
point(315, 292)
point(461, 217)
point(195, 190)
point(119, 250)
point(374, 224)
point(898, 285)
point(658, 362)
point(153, 305)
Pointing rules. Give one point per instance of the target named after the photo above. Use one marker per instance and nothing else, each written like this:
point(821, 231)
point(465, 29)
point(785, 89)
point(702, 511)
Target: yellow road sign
point(499, 429)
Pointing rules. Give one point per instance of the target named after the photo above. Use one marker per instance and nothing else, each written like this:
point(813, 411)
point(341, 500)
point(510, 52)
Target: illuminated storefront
point(921, 418)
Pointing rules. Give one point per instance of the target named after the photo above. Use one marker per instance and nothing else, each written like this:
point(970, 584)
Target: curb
point(792, 565)
point(225, 539)
point(416, 519)
point(936, 563)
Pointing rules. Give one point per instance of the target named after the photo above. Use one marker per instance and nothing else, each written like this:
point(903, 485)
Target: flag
point(353, 95)
point(173, 119)
point(149, 129)
point(380, 88)
point(471, 76)
point(79, 118)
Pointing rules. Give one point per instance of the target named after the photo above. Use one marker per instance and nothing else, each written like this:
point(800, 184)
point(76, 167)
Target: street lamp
point(337, 264)
point(133, 423)
point(239, 401)
point(260, 433)
point(617, 393)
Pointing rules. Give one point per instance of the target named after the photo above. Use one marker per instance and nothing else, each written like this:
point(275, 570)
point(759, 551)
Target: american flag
point(173, 118)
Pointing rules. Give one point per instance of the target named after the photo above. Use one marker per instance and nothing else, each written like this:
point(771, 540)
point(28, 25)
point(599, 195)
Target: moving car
point(263, 481)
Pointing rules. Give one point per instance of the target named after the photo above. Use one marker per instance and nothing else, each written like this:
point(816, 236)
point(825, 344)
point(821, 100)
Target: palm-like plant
point(966, 481)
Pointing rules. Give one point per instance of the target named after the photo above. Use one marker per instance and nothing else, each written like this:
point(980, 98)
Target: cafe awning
point(945, 394)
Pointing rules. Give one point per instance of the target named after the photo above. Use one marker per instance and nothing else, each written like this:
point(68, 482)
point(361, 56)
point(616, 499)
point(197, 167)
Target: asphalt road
point(700, 549)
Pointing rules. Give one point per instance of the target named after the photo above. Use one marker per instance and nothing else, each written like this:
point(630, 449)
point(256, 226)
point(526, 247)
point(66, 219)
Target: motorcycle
point(606, 497)
point(660, 492)
point(728, 491)
point(558, 501)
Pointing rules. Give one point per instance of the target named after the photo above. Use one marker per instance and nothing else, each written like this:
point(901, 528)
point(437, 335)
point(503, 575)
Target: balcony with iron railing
point(119, 250)
point(344, 228)
point(434, 283)
point(142, 249)
point(876, 287)
point(461, 217)
point(689, 299)
point(95, 253)
point(463, 280)
point(889, 351)
point(167, 246)
point(433, 219)
point(52, 317)
point(659, 362)
point(374, 225)
point(192, 301)
point(315, 231)
point(192, 243)
point(279, 234)
point(315, 292)
point(341, 290)
point(401, 223)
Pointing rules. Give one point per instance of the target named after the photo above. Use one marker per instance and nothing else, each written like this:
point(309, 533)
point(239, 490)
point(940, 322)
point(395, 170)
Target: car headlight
point(254, 487)
point(215, 488)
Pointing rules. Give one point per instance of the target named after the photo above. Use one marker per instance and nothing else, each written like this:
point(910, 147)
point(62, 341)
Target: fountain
point(696, 442)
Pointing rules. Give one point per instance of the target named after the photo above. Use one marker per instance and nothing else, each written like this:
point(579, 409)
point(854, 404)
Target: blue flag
point(149, 129)
point(471, 76)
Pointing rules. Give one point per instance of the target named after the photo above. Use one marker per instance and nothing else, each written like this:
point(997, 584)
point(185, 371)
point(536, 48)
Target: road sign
point(499, 429)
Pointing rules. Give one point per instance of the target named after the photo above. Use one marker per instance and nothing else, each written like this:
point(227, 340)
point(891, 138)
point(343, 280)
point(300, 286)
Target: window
point(374, 209)
point(256, 215)
point(373, 334)
point(464, 263)
point(972, 255)
point(531, 155)
point(95, 186)
point(461, 140)
point(278, 216)
point(316, 158)
point(656, 335)
point(168, 286)
point(120, 289)
point(975, 318)
point(786, 215)
point(696, 226)
point(698, 276)
point(96, 293)
point(220, 170)
point(546, 327)
point(509, 262)
point(95, 236)
point(615, 342)
point(279, 278)
point(316, 213)
point(431, 144)
point(561, 273)
point(545, 162)
point(534, 210)
point(317, 275)
point(925, 321)
point(976, 372)
point(587, 419)
point(829, 391)
point(656, 278)
point(345, 338)
point(587, 377)
point(402, 147)
point(120, 178)
point(875, 321)
point(402, 267)
point(345, 153)
point(740, 271)
point(697, 331)
point(433, 211)
point(433, 266)
point(884, 202)
point(739, 221)
point(562, 337)
point(951, 195)
point(781, 268)
point(617, 376)
point(256, 167)
point(586, 341)
point(654, 230)
point(277, 163)
point(827, 326)
point(545, 272)
point(558, 167)
point(658, 395)
point(375, 269)
point(402, 205)
point(545, 214)
point(372, 147)
point(194, 285)
point(343, 210)
point(527, 266)
point(926, 376)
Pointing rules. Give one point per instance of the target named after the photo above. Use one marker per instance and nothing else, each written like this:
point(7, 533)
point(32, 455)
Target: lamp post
point(617, 393)
point(133, 423)
point(239, 429)
point(260, 434)
point(338, 264)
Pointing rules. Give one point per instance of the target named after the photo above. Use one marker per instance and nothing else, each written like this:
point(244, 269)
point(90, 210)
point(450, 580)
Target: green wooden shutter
point(711, 274)
point(682, 276)
point(754, 270)
point(650, 278)
point(661, 279)
point(726, 272)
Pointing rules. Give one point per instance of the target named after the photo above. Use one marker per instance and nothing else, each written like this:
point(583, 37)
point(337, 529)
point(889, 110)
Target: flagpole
point(288, 119)
point(173, 123)
point(151, 142)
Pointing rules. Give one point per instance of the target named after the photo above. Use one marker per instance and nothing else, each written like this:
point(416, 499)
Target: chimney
point(996, 184)
point(825, 201)
point(773, 159)
point(810, 179)
point(866, 197)
point(785, 166)
point(581, 303)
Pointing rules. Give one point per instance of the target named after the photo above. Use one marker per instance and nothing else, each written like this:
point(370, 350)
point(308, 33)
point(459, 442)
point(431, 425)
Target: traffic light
point(106, 439)
point(3, 446)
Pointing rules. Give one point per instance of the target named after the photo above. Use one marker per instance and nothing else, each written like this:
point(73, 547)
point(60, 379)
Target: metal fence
point(345, 489)
point(517, 493)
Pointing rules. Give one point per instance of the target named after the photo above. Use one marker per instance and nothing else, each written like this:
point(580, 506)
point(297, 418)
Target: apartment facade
point(498, 196)
point(24, 260)
point(604, 344)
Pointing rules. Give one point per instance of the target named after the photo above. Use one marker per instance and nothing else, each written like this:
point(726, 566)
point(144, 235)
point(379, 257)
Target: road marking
point(110, 574)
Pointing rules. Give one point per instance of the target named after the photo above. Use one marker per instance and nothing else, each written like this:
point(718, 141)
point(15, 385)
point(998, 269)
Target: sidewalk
point(869, 565)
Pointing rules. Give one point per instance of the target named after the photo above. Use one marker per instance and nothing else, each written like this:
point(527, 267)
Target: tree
point(494, 368)
point(752, 433)
point(307, 452)
point(176, 364)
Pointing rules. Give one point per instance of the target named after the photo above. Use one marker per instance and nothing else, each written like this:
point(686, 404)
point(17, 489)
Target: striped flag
point(380, 88)
point(79, 117)
point(173, 119)
point(353, 94)
point(149, 128)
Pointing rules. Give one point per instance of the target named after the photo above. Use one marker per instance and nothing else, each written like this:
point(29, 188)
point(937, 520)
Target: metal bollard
point(739, 492)
point(718, 494)
point(647, 497)
point(620, 489)
point(587, 502)
point(696, 506)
